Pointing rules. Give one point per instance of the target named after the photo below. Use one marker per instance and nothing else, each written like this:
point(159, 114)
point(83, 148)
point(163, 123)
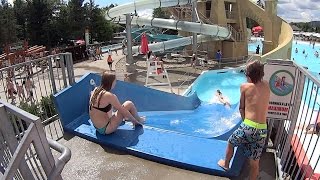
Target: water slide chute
point(214, 32)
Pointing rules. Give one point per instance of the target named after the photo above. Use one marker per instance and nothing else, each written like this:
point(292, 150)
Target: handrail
point(62, 160)
point(188, 78)
point(236, 36)
point(250, 59)
point(205, 20)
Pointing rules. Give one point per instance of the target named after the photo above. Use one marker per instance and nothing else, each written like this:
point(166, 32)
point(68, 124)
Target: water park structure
point(214, 25)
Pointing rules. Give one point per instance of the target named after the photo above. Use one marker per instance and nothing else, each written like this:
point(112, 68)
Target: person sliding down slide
point(101, 103)
point(222, 99)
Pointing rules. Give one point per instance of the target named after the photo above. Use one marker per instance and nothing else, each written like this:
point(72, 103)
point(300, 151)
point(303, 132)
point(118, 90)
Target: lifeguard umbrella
point(144, 48)
point(257, 29)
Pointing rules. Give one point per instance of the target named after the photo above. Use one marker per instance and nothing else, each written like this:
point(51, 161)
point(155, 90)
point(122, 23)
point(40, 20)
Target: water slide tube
point(171, 44)
point(213, 32)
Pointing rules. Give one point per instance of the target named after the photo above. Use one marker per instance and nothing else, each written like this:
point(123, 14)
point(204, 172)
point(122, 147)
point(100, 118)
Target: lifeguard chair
point(155, 69)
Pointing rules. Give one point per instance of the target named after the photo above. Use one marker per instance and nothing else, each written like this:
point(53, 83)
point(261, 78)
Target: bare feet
point(222, 163)
point(139, 121)
point(142, 119)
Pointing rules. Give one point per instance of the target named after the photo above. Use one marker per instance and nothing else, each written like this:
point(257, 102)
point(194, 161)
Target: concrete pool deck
point(93, 161)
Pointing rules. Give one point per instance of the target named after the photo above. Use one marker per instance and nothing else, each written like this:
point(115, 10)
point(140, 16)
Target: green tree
point(160, 13)
point(76, 19)
point(8, 24)
point(20, 10)
point(62, 26)
point(100, 29)
point(251, 23)
point(39, 25)
point(306, 27)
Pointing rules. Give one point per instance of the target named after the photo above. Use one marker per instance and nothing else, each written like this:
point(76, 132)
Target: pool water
point(311, 61)
point(211, 118)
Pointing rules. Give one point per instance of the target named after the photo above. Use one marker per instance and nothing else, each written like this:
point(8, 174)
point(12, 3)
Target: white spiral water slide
point(208, 32)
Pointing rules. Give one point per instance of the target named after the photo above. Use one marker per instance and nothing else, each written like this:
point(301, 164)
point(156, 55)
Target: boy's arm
point(242, 101)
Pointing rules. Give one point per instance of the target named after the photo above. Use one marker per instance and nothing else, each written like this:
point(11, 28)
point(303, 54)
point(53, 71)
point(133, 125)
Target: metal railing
point(25, 152)
point(232, 61)
point(111, 47)
point(185, 12)
point(188, 75)
point(296, 141)
point(30, 85)
point(235, 35)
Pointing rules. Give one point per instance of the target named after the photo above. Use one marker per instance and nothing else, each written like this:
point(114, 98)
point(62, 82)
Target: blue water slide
point(145, 99)
point(149, 141)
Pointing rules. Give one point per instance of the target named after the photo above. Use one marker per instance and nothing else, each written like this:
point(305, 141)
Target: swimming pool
point(310, 61)
point(211, 118)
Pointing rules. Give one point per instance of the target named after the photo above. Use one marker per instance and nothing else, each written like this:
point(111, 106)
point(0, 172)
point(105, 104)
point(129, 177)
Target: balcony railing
point(25, 152)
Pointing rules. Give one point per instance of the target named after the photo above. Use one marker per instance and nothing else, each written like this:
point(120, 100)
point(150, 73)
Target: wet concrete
point(92, 161)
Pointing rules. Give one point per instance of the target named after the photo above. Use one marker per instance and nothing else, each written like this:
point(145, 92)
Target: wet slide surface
point(208, 120)
point(158, 140)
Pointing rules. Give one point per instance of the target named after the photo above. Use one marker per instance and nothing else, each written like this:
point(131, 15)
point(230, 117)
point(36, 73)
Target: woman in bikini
point(221, 98)
point(101, 103)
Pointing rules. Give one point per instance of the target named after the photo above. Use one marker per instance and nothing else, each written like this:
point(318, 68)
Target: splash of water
point(217, 129)
point(175, 122)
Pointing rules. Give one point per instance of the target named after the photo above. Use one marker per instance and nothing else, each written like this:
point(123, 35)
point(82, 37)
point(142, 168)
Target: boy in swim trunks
point(252, 133)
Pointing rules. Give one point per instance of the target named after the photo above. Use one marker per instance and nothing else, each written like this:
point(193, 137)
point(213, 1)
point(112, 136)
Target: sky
point(299, 10)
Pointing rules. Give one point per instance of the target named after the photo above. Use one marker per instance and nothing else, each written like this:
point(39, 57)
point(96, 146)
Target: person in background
point(11, 90)
point(258, 50)
point(123, 47)
point(252, 133)
point(316, 54)
point(314, 43)
point(193, 60)
point(29, 86)
point(20, 91)
point(205, 61)
point(110, 61)
point(151, 56)
point(313, 128)
point(98, 53)
point(219, 56)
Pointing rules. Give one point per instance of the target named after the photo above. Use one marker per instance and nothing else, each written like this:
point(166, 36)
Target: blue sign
point(281, 83)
